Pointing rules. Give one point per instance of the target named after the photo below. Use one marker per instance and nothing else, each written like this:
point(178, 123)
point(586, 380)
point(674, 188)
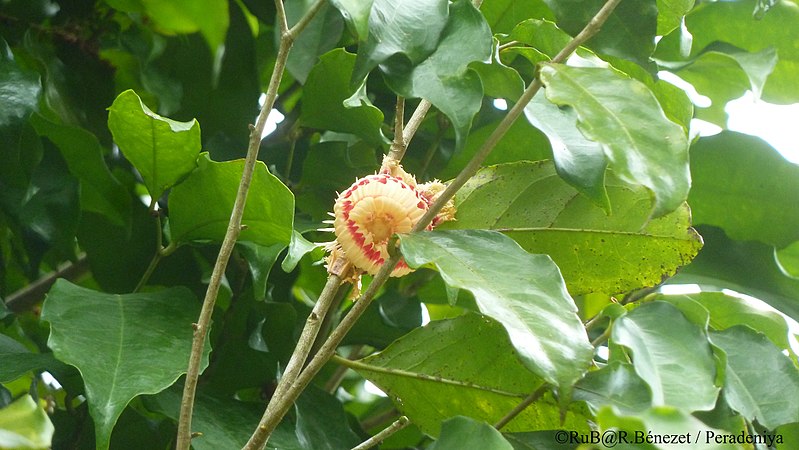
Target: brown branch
point(24, 299)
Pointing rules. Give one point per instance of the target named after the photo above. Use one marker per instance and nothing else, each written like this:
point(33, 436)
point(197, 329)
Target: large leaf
point(326, 89)
point(25, 425)
point(579, 161)
point(199, 208)
point(641, 144)
point(720, 311)
point(356, 13)
point(667, 350)
point(732, 22)
point(100, 191)
point(19, 89)
point(523, 292)
point(410, 28)
point(503, 15)
point(462, 432)
point(762, 388)
point(744, 186)
point(629, 31)
point(595, 252)
point(462, 366)
point(320, 36)
point(670, 14)
point(125, 330)
point(161, 149)
point(616, 384)
point(443, 77)
point(209, 17)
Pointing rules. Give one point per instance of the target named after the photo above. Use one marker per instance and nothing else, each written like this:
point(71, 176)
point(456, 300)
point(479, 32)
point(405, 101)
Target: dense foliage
point(123, 128)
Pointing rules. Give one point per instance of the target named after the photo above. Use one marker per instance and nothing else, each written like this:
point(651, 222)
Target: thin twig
point(398, 146)
point(279, 405)
point(529, 400)
point(338, 376)
point(234, 226)
point(31, 294)
point(399, 424)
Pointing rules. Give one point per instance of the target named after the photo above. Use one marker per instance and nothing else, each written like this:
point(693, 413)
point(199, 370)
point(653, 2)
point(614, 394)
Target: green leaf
point(410, 28)
point(124, 329)
point(499, 80)
point(462, 366)
point(641, 144)
point(788, 260)
point(24, 424)
point(521, 142)
point(321, 422)
point(504, 15)
point(661, 421)
point(746, 187)
point(356, 13)
point(629, 32)
point(320, 36)
point(209, 17)
point(595, 252)
point(443, 77)
point(667, 350)
point(671, 13)
point(260, 260)
point(732, 23)
point(579, 161)
point(298, 248)
point(199, 207)
point(617, 385)
point(18, 360)
point(542, 35)
point(388, 318)
point(762, 388)
point(100, 191)
point(461, 432)
point(722, 311)
point(19, 90)
point(326, 89)
point(524, 292)
point(161, 149)
point(726, 74)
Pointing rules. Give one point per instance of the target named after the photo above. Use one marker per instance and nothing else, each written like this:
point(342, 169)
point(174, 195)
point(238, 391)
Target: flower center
point(380, 226)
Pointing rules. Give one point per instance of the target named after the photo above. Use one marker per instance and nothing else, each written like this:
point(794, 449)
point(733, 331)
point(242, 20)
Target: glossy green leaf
point(19, 89)
point(725, 75)
point(661, 421)
point(161, 149)
point(326, 89)
point(579, 161)
point(199, 207)
point(321, 423)
point(356, 13)
point(504, 15)
point(124, 329)
point(542, 35)
point(617, 385)
point(747, 267)
point(788, 260)
point(443, 77)
point(732, 23)
point(260, 260)
point(462, 366)
point(407, 28)
point(641, 144)
point(671, 13)
point(667, 349)
point(298, 247)
point(521, 142)
point(100, 191)
point(762, 388)
point(629, 32)
point(523, 292)
point(209, 17)
point(388, 318)
point(721, 311)
point(595, 252)
point(499, 80)
point(744, 186)
point(24, 424)
point(319, 37)
point(462, 432)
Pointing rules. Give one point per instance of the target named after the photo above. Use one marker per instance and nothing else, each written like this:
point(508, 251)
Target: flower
point(369, 212)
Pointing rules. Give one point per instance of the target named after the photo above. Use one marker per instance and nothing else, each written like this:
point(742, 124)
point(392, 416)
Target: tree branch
point(25, 298)
point(234, 225)
point(399, 424)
